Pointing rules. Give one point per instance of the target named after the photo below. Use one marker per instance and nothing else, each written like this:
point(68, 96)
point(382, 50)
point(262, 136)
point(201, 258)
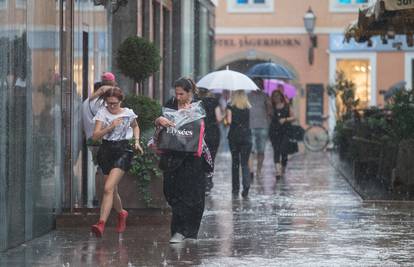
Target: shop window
point(250, 6)
point(359, 72)
point(21, 3)
point(347, 5)
point(3, 4)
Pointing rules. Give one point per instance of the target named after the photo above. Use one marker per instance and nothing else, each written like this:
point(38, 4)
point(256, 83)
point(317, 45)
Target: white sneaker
point(177, 238)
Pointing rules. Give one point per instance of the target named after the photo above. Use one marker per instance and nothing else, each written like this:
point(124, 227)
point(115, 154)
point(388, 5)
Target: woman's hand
point(165, 122)
point(116, 122)
point(282, 120)
point(137, 147)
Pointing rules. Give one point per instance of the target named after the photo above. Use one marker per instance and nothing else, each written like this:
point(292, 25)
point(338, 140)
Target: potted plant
point(138, 58)
point(142, 185)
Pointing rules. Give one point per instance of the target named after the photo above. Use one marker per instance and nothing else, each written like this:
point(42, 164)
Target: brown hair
point(281, 95)
point(187, 84)
point(114, 92)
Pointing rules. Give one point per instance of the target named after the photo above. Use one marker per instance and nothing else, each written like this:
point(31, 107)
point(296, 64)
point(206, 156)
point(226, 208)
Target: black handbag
point(292, 147)
point(296, 133)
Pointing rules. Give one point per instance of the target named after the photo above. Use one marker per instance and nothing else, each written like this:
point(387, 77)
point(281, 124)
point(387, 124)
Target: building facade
point(51, 53)
point(253, 31)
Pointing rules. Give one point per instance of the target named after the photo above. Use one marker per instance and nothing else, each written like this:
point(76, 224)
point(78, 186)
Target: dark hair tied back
point(187, 84)
point(114, 92)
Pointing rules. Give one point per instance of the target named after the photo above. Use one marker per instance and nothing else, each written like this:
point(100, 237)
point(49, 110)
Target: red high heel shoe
point(98, 229)
point(122, 216)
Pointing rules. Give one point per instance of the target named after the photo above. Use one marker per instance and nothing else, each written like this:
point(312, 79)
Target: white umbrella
point(228, 80)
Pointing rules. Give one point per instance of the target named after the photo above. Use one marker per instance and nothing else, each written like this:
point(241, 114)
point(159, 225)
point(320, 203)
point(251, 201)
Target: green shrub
point(146, 108)
point(402, 111)
point(144, 167)
point(138, 58)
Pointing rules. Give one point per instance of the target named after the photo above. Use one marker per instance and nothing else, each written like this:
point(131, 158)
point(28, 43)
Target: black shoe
point(245, 192)
point(251, 176)
point(235, 193)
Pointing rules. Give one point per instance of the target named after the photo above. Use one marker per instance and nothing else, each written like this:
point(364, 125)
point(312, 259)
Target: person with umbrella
point(237, 116)
point(279, 130)
point(260, 114)
point(212, 131)
point(240, 140)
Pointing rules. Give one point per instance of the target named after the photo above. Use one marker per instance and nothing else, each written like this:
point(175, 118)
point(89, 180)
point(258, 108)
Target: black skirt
point(115, 154)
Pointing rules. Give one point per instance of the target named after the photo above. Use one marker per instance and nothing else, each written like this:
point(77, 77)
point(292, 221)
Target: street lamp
point(309, 21)
point(114, 5)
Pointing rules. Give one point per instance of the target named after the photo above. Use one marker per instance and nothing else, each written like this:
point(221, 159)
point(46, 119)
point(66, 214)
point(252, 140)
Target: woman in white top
point(115, 126)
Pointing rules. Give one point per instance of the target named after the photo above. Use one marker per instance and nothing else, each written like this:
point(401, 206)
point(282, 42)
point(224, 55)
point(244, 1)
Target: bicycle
point(316, 136)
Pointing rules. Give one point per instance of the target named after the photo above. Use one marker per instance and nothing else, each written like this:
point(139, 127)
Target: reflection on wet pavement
point(310, 218)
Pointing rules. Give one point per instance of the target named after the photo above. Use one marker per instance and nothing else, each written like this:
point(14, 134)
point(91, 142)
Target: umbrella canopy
point(270, 70)
point(272, 85)
point(228, 80)
point(394, 89)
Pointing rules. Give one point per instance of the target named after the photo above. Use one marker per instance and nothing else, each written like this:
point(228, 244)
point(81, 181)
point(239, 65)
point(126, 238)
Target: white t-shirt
point(122, 131)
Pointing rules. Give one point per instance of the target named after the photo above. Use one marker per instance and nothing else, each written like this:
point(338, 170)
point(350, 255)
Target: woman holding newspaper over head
point(115, 126)
point(185, 159)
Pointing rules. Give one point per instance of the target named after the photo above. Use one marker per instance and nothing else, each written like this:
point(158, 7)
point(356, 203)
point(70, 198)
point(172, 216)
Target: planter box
point(404, 170)
point(131, 197)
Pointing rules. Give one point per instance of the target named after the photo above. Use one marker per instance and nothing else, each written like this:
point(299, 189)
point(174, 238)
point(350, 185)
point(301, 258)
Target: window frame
point(408, 69)
point(336, 7)
point(333, 58)
point(250, 7)
point(3, 4)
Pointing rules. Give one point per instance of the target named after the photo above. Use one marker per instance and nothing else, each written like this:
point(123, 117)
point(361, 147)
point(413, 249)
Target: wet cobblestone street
point(312, 217)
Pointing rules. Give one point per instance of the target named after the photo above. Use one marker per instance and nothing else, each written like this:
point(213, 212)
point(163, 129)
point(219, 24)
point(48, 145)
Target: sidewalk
point(312, 217)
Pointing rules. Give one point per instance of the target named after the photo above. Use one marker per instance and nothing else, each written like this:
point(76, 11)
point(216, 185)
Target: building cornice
point(275, 30)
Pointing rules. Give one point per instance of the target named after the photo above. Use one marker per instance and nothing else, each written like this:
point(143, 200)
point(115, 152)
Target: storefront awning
point(385, 18)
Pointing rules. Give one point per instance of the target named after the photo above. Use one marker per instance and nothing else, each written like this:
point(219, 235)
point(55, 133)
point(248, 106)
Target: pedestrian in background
point(93, 103)
point(184, 176)
point(279, 131)
point(240, 140)
point(260, 114)
point(116, 126)
point(212, 130)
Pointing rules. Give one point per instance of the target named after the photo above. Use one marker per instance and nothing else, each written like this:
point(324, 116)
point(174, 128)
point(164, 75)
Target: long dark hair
point(281, 95)
point(187, 84)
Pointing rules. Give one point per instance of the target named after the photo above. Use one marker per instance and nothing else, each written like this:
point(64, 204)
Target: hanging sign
point(398, 4)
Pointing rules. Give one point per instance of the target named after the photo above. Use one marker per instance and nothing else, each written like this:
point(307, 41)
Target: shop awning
point(385, 18)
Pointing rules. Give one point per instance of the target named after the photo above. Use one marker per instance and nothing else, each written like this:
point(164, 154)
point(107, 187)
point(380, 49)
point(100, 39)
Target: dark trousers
point(280, 144)
point(184, 190)
point(186, 220)
point(240, 152)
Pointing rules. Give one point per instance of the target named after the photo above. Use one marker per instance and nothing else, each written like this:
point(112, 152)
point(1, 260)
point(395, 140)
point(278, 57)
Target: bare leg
point(251, 161)
point(117, 201)
point(117, 198)
point(260, 159)
point(108, 198)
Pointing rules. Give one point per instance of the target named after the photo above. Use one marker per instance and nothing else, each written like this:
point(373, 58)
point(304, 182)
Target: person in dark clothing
point(278, 131)
point(184, 182)
point(240, 140)
point(212, 130)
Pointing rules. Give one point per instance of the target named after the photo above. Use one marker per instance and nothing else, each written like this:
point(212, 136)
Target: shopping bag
point(187, 134)
point(186, 138)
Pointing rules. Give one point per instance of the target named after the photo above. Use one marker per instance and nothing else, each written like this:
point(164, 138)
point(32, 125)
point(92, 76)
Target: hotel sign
point(258, 42)
point(398, 4)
